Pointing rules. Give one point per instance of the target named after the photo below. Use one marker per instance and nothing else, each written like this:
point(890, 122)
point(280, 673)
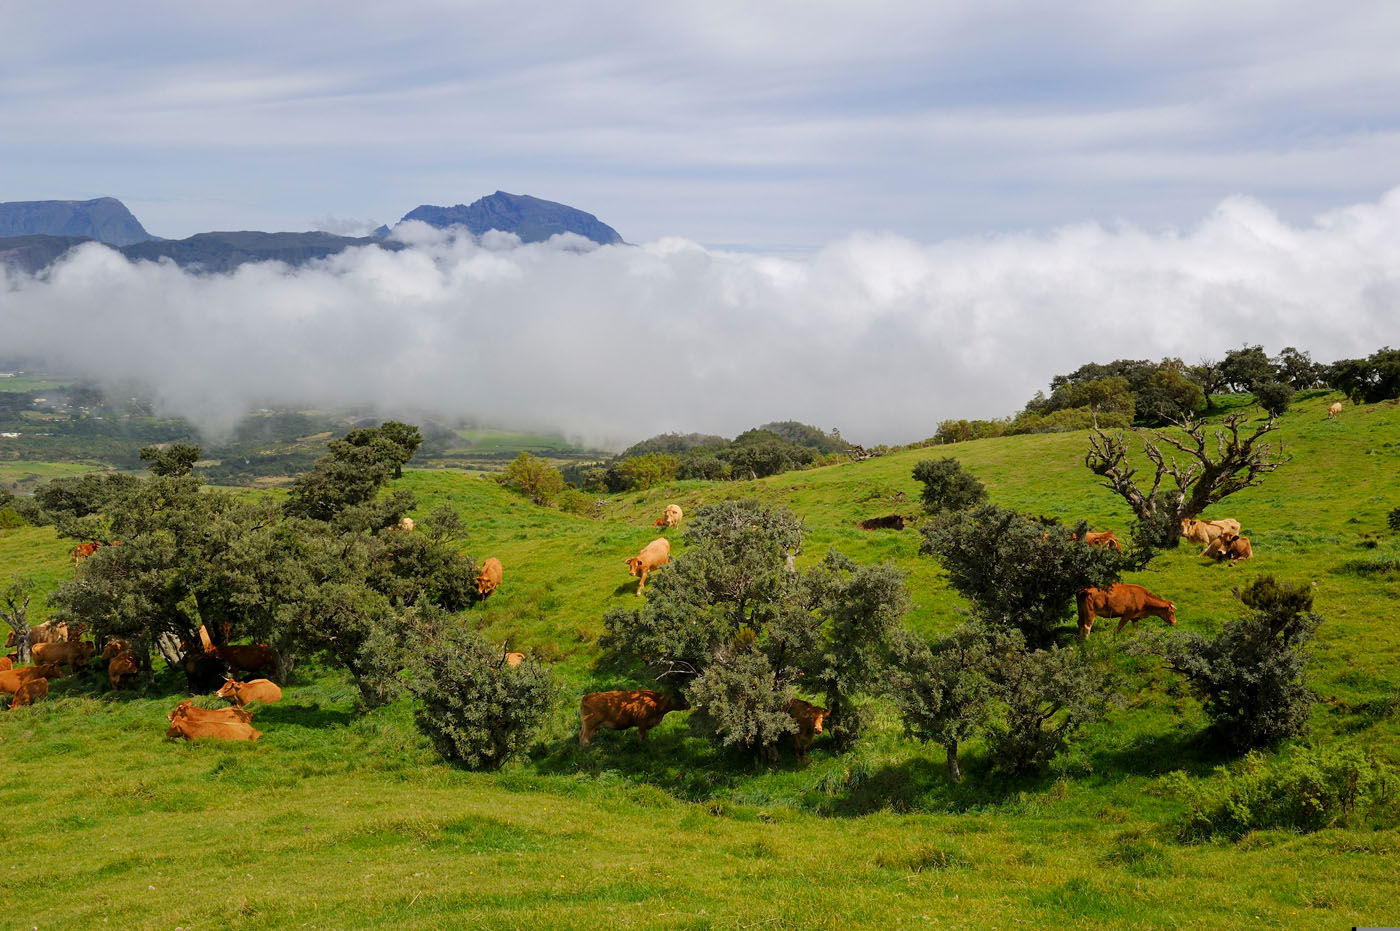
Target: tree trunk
point(954, 771)
point(169, 646)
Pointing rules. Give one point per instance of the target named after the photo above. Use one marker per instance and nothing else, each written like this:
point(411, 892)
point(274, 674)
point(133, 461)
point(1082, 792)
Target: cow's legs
point(642, 583)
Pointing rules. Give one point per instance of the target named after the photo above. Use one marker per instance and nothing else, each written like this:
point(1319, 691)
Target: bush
point(1250, 676)
point(943, 691)
point(1273, 396)
point(947, 487)
point(1307, 792)
point(533, 477)
point(643, 472)
point(10, 519)
point(1393, 520)
point(573, 501)
point(476, 709)
point(739, 700)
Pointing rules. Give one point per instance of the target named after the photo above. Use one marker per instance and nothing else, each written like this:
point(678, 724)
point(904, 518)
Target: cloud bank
point(877, 334)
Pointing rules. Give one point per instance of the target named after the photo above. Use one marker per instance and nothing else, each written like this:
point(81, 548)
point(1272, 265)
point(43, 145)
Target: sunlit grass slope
point(344, 819)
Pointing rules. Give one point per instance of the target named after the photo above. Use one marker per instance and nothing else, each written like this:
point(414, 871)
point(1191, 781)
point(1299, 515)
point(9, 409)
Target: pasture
point(339, 818)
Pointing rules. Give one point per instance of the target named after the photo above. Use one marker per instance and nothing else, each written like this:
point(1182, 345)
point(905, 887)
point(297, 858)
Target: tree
point(648, 471)
point(1250, 676)
point(174, 459)
point(739, 700)
point(947, 486)
point(944, 691)
point(14, 609)
point(1370, 380)
point(349, 476)
point(1206, 477)
point(534, 478)
point(1274, 397)
point(1018, 572)
point(1169, 395)
point(1246, 367)
point(1210, 377)
point(1297, 369)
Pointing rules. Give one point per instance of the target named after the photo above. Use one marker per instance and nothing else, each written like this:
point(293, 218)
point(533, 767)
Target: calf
point(240, 693)
point(489, 577)
point(113, 647)
point(190, 711)
point(30, 692)
point(1127, 602)
point(190, 729)
point(653, 556)
point(1105, 539)
point(1334, 409)
point(617, 711)
point(809, 723)
point(1229, 546)
point(671, 517)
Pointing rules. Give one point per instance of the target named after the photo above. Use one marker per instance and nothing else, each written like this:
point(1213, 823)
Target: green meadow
point(340, 818)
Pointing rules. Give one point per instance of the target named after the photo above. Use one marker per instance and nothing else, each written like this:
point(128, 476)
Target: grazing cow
point(204, 672)
point(488, 578)
point(83, 551)
point(248, 657)
point(1203, 531)
point(406, 524)
point(122, 668)
point(240, 693)
point(30, 691)
point(74, 655)
point(809, 723)
point(1229, 546)
point(12, 679)
point(1105, 539)
point(653, 556)
point(50, 632)
point(1334, 409)
point(617, 711)
point(671, 517)
point(191, 729)
point(888, 522)
point(1128, 602)
point(188, 710)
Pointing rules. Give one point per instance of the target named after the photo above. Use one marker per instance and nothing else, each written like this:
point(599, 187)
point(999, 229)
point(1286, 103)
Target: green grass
point(344, 819)
point(21, 475)
point(19, 384)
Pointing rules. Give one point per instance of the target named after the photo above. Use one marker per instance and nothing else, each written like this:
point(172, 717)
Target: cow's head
point(1188, 524)
point(818, 714)
point(229, 689)
point(1171, 613)
point(48, 671)
point(179, 711)
point(634, 565)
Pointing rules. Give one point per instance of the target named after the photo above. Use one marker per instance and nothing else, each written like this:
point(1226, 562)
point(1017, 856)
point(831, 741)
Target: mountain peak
point(530, 218)
point(105, 219)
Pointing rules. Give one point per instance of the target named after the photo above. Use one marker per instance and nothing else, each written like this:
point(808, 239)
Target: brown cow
point(1203, 531)
point(50, 632)
point(1229, 546)
point(617, 711)
point(515, 659)
point(113, 647)
point(1106, 539)
point(83, 551)
point(671, 517)
point(809, 723)
point(654, 555)
point(248, 657)
point(122, 668)
point(240, 693)
point(30, 691)
point(191, 729)
point(1334, 409)
point(74, 655)
point(12, 679)
point(406, 524)
point(488, 578)
point(190, 711)
point(6, 663)
point(1128, 602)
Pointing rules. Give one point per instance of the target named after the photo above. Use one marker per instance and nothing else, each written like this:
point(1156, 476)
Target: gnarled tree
point(1191, 472)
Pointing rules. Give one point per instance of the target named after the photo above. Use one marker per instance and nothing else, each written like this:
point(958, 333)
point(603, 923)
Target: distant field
point(491, 450)
point(343, 819)
point(22, 383)
point(21, 476)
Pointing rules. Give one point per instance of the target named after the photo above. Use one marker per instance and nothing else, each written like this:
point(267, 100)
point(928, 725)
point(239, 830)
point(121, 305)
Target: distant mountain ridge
point(35, 234)
point(530, 218)
point(104, 219)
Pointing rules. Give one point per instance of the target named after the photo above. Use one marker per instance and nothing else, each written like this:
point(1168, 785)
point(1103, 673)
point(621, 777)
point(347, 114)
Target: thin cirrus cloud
point(878, 334)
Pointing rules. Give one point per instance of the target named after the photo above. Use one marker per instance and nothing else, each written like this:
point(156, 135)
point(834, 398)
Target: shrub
point(943, 691)
point(947, 487)
point(1250, 676)
point(643, 472)
point(1393, 520)
point(476, 709)
point(10, 519)
point(533, 477)
point(1306, 792)
point(1273, 396)
point(740, 700)
point(577, 502)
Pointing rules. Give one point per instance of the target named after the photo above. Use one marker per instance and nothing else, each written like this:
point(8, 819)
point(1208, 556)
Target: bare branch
point(676, 667)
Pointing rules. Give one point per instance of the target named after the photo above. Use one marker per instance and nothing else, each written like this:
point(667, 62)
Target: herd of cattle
point(54, 646)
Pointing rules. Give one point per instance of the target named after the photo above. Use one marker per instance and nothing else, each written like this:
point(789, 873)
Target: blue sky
point(768, 126)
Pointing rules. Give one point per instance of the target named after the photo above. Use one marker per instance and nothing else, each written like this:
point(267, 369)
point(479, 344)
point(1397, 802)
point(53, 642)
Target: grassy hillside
point(343, 819)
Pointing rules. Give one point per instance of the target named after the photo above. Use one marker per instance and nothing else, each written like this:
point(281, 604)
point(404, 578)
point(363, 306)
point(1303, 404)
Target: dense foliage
point(948, 486)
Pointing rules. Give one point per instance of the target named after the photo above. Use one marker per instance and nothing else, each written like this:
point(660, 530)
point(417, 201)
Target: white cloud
point(877, 334)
